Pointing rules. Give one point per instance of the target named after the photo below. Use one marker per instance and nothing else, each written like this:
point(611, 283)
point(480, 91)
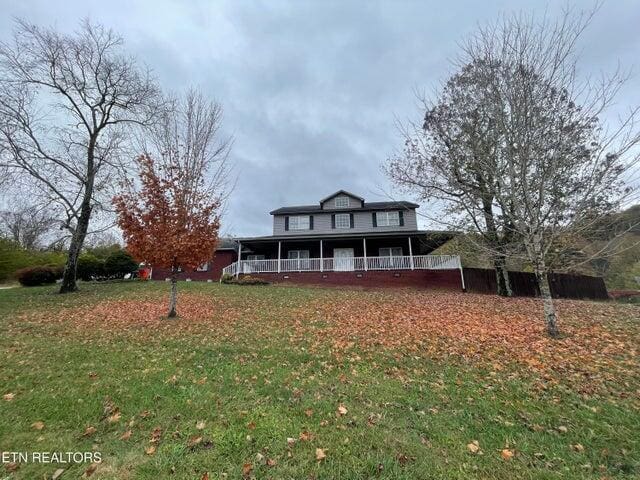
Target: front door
point(343, 259)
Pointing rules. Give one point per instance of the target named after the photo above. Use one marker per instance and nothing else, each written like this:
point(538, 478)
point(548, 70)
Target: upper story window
point(387, 219)
point(343, 220)
point(342, 202)
point(299, 222)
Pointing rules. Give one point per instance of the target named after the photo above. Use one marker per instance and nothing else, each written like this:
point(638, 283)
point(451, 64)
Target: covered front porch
point(344, 253)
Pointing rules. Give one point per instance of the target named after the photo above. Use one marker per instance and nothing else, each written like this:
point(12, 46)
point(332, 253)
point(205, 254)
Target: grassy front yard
point(287, 382)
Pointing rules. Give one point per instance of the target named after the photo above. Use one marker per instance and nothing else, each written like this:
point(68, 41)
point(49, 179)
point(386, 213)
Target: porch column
point(364, 247)
point(410, 255)
point(321, 258)
point(239, 259)
point(279, 250)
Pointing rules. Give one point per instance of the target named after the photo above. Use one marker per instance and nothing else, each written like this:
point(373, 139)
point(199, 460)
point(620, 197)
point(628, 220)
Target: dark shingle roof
point(366, 206)
point(344, 192)
point(227, 243)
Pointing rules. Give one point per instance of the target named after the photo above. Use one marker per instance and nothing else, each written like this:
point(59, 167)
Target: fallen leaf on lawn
point(473, 447)
point(89, 431)
point(155, 435)
point(126, 435)
point(89, 471)
point(205, 476)
point(202, 381)
point(578, 447)
point(246, 469)
point(8, 396)
point(271, 462)
point(251, 425)
point(260, 458)
point(506, 454)
point(404, 459)
point(200, 425)
point(342, 410)
point(115, 417)
point(562, 429)
point(57, 474)
point(108, 407)
point(12, 466)
point(305, 436)
point(320, 454)
point(37, 425)
point(193, 441)
point(150, 450)
point(291, 441)
point(308, 412)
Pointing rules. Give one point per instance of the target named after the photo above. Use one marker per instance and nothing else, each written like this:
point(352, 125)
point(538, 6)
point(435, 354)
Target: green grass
point(252, 379)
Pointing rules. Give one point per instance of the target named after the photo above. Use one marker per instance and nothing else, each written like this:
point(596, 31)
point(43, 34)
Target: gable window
point(343, 220)
point(342, 202)
point(299, 222)
point(388, 219)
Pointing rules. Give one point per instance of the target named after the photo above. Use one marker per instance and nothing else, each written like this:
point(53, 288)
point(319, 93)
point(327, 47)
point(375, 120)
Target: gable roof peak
point(344, 192)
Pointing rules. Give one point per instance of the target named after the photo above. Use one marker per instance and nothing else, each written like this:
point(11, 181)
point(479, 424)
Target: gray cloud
point(312, 89)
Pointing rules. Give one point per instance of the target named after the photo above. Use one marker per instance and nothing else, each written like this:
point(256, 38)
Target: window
point(298, 254)
point(298, 259)
point(342, 202)
point(391, 258)
point(390, 252)
point(388, 219)
point(343, 220)
point(203, 268)
point(255, 257)
point(300, 222)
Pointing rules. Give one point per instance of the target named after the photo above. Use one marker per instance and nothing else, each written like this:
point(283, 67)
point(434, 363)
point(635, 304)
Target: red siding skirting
point(449, 279)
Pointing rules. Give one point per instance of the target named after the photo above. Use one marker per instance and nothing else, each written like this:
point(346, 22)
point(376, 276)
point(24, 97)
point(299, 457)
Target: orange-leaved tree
point(171, 220)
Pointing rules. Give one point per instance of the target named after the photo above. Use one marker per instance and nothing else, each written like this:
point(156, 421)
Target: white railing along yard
point(342, 264)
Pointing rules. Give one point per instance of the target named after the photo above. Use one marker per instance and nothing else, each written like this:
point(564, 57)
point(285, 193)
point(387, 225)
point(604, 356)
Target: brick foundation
point(221, 259)
point(449, 279)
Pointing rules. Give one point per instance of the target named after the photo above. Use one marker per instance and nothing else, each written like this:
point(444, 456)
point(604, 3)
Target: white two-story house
point(343, 233)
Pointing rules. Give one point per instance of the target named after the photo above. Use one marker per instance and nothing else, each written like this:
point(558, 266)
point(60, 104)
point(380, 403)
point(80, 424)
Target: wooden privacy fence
point(524, 284)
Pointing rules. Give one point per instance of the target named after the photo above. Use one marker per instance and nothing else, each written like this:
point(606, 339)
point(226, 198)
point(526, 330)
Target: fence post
point(464, 288)
point(410, 254)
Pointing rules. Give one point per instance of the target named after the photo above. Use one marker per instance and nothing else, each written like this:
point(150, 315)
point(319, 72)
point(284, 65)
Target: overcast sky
point(312, 89)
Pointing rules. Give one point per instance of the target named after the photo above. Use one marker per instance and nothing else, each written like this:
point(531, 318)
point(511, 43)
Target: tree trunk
point(549, 309)
point(499, 260)
point(80, 232)
point(502, 276)
point(173, 299)
point(77, 240)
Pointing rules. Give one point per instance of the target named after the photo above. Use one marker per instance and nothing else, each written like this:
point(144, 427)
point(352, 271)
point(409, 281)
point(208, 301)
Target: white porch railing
point(416, 262)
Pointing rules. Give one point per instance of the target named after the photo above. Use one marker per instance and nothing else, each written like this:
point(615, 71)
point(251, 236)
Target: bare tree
point(67, 106)
point(451, 157)
point(558, 167)
point(187, 138)
point(29, 225)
